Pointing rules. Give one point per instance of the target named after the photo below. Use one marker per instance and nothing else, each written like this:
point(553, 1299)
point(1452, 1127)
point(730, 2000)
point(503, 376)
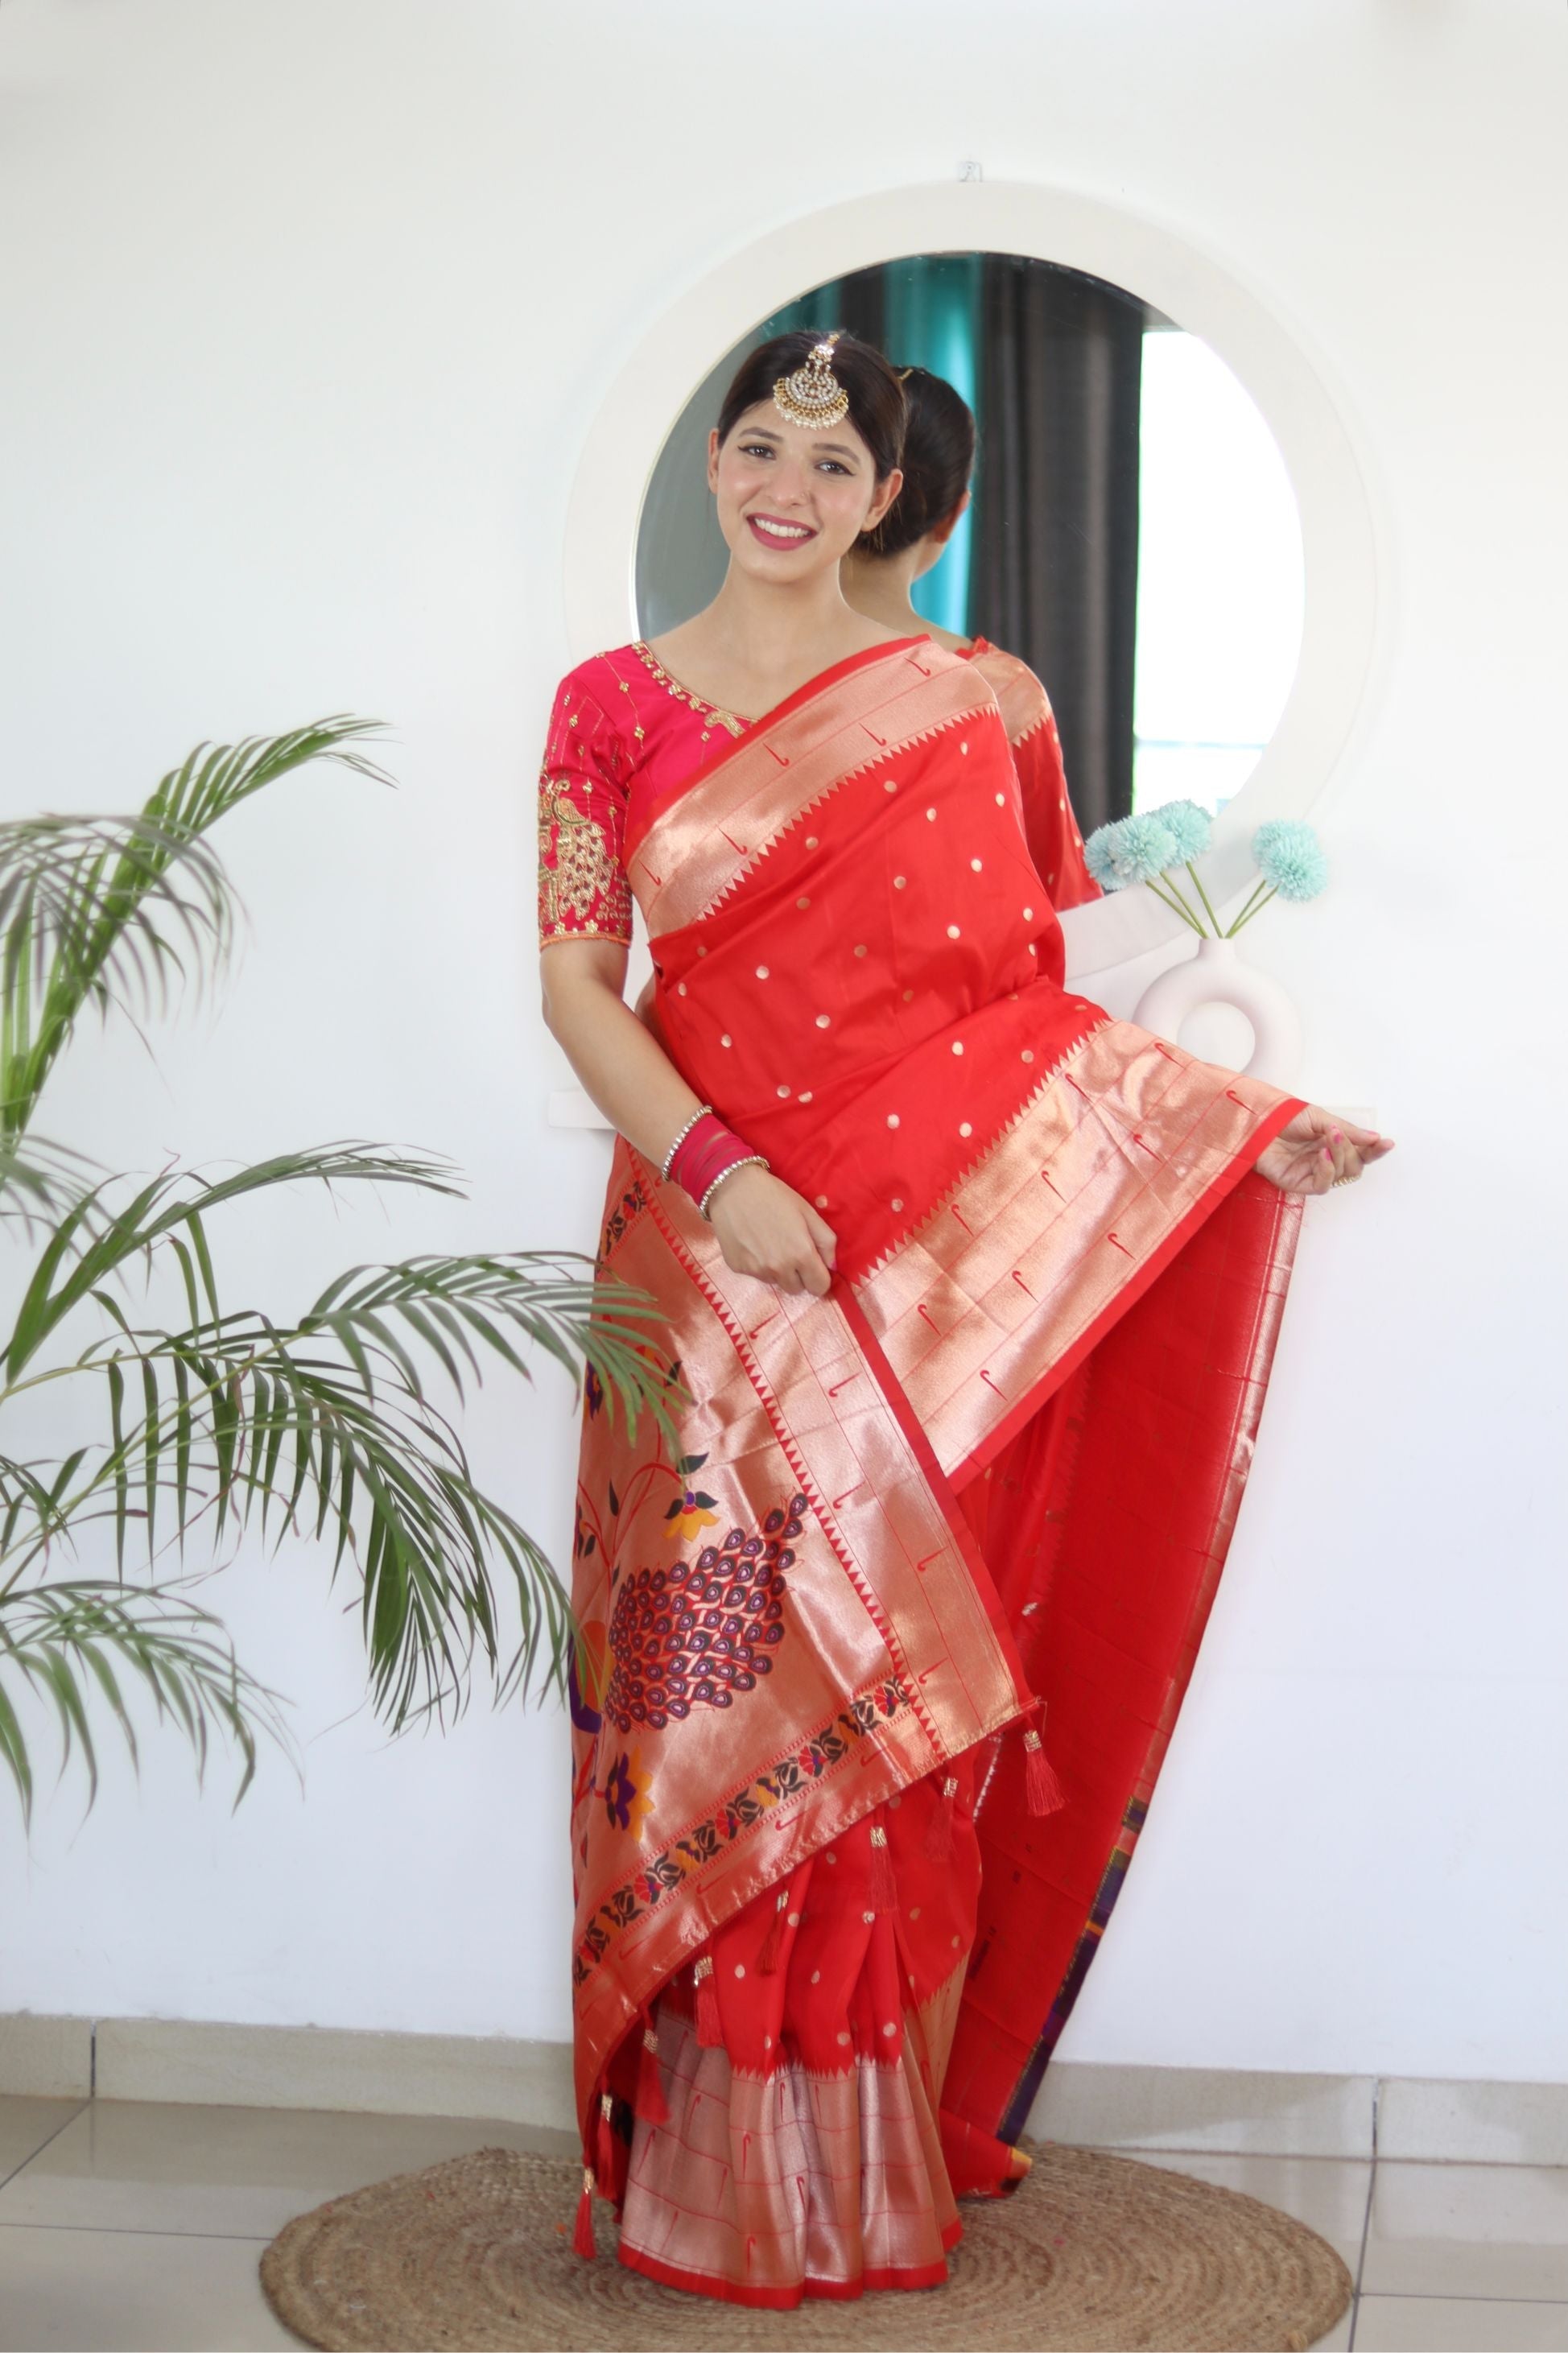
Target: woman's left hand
point(1317, 1150)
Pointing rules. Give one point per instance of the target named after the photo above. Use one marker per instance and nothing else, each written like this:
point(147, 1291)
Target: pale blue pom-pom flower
point(1188, 826)
point(1129, 850)
point(1140, 848)
point(1290, 858)
point(1097, 855)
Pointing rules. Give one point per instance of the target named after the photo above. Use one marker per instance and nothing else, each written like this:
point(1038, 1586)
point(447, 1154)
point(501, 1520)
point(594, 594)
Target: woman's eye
point(755, 449)
point(832, 466)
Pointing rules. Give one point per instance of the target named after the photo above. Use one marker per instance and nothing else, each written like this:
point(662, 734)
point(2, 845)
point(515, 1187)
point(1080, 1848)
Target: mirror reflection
point(1130, 535)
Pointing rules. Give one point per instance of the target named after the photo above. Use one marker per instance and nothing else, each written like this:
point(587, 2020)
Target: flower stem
point(1174, 888)
point(1178, 906)
point(1255, 906)
point(1197, 884)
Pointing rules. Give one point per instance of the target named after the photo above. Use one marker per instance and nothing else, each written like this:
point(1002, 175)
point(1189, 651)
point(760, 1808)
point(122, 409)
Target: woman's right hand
point(766, 1230)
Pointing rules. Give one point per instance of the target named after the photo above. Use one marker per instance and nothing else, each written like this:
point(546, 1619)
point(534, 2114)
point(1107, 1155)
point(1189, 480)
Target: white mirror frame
point(701, 324)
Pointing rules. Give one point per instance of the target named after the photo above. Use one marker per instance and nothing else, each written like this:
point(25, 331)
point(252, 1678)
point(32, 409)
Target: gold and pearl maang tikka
point(813, 396)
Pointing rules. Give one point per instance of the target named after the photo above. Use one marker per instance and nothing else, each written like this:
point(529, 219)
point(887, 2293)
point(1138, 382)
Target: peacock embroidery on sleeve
point(582, 888)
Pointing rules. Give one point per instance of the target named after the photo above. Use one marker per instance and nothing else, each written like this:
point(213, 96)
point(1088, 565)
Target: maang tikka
point(813, 396)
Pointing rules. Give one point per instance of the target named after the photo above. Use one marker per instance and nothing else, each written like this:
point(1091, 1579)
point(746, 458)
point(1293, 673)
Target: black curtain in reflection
point(1055, 567)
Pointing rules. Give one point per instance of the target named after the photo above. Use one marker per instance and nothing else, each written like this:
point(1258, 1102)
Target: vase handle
point(1223, 979)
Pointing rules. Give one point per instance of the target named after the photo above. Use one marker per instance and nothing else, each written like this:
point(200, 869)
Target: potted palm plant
point(323, 1422)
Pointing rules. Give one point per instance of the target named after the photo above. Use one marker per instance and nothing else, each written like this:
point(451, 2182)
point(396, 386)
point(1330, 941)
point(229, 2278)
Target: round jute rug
point(1093, 2255)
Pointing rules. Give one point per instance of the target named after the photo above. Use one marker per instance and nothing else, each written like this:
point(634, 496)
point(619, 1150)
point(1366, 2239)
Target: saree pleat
point(997, 1465)
point(803, 2152)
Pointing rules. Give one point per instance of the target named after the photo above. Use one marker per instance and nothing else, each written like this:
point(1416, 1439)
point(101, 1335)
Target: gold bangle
point(752, 1160)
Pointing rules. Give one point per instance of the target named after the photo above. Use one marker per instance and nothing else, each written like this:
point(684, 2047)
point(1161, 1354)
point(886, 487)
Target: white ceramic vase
point(1214, 974)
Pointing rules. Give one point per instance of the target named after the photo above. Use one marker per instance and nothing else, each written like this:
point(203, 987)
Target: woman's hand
point(1317, 1150)
point(764, 1229)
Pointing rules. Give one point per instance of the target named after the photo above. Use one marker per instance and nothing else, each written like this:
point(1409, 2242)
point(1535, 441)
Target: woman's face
point(792, 502)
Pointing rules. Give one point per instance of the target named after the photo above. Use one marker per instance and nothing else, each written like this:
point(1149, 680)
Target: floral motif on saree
point(814, 1635)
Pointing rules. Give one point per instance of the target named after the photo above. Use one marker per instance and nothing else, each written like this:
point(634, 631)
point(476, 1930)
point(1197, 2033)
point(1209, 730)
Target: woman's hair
point(876, 396)
point(937, 460)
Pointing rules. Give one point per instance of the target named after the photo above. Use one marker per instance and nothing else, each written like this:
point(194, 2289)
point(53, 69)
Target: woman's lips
point(783, 535)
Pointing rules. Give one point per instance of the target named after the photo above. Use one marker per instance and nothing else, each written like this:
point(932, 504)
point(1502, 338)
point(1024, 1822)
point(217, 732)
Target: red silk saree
point(1050, 829)
point(825, 1937)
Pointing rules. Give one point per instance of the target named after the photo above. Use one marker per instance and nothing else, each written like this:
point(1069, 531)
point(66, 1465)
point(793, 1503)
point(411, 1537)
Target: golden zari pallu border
point(999, 1288)
point(905, 1623)
point(869, 1490)
point(695, 854)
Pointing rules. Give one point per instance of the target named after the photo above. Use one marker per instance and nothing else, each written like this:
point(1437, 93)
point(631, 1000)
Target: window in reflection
point(1219, 579)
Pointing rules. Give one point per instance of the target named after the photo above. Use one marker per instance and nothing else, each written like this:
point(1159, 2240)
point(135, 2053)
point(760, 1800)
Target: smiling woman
point(926, 1230)
point(796, 486)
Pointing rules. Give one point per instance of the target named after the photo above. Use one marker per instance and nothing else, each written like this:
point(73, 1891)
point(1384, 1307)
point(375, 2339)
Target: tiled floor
point(129, 2228)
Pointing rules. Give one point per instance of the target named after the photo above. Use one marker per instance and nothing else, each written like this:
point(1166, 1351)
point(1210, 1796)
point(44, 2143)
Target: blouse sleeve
point(1055, 842)
point(582, 785)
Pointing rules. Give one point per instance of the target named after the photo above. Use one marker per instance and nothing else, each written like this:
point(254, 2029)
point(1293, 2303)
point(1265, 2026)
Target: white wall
point(306, 307)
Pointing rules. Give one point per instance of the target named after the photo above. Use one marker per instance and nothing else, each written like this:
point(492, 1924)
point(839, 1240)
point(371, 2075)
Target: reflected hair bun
point(937, 460)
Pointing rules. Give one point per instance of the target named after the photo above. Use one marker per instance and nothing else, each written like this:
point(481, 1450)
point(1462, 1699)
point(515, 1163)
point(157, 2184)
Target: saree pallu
point(823, 1943)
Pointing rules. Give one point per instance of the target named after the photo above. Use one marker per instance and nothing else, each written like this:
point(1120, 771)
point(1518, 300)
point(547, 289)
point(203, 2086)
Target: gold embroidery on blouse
point(584, 892)
point(672, 686)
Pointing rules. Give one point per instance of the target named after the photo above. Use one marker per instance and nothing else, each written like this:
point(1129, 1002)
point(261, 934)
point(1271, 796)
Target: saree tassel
point(768, 1959)
point(884, 1887)
point(709, 2032)
point(583, 2229)
point(607, 2146)
point(939, 1829)
point(1043, 1792)
point(651, 2105)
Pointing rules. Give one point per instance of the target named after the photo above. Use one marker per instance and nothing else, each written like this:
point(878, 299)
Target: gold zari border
point(695, 852)
point(1001, 1281)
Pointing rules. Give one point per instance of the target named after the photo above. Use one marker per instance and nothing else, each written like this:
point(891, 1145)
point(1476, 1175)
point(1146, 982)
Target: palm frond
point(102, 911)
point(532, 1297)
point(93, 1241)
point(326, 1428)
point(84, 1645)
point(40, 1182)
point(31, 1504)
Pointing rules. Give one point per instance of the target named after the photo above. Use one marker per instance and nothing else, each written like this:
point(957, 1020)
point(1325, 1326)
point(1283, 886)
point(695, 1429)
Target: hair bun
point(937, 460)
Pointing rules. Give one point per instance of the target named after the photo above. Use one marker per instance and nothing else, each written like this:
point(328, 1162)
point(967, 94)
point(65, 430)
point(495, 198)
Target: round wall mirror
point(1132, 532)
point(631, 554)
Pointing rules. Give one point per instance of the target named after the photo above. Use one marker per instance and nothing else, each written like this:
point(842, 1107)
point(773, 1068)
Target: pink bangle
point(705, 1151)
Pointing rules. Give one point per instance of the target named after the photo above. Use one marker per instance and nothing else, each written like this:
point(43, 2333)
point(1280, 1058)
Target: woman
point(953, 1226)
point(879, 574)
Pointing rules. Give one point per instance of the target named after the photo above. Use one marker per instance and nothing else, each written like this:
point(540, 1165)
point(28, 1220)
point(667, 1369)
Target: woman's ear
point(887, 492)
point(713, 458)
